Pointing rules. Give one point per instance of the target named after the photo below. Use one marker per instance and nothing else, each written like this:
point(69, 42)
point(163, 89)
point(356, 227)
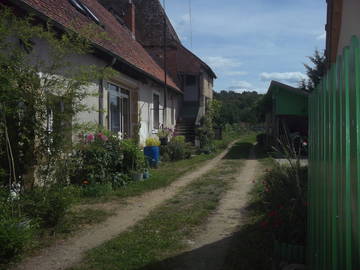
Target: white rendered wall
point(350, 24)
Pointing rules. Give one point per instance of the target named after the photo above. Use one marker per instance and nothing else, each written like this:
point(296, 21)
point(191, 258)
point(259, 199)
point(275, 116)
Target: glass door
point(125, 113)
point(114, 109)
point(156, 111)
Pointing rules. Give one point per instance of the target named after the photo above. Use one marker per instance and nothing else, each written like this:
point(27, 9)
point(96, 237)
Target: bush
point(152, 142)
point(134, 158)
point(47, 205)
point(176, 149)
point(98, 159)
point(16, 235)
point(283, 194)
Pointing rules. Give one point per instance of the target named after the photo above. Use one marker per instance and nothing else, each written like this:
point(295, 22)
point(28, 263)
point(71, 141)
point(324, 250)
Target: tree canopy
point(238, 107)
point(314, 72)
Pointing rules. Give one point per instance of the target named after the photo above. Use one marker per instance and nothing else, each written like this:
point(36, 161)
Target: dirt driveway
point(70, 252)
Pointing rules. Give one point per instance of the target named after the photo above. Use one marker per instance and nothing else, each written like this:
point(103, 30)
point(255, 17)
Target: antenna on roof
point(165, 64)
point(191, 33)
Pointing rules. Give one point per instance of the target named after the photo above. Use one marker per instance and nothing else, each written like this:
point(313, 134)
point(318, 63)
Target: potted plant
point(152, 151)
point(134, 160)
point(164, 135)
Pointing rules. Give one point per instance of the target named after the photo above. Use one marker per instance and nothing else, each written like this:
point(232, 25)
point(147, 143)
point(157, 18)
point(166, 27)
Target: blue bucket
point(152, 154)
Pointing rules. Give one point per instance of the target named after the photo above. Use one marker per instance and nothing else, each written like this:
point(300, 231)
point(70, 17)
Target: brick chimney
point(130, 17)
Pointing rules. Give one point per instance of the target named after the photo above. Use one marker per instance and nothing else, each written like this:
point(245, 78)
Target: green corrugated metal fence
point(334, 166)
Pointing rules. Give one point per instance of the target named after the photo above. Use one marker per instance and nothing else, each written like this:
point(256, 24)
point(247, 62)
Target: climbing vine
point(41, 92)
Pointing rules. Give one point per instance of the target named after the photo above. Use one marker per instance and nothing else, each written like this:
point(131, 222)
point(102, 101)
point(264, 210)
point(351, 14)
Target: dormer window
point(84, 10)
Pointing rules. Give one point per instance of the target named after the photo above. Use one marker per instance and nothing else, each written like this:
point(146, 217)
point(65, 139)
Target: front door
point(156, 101)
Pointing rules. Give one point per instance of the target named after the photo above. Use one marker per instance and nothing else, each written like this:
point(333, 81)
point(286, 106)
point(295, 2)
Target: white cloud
point(236, 73)
point(220, 62)
point(289, 77)
point(321, 36)
point(182, 26)
point(185, 19)
point(240, 86)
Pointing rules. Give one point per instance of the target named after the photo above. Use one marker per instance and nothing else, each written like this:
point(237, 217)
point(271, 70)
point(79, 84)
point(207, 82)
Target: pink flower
point(104, 138)
point(90, 137)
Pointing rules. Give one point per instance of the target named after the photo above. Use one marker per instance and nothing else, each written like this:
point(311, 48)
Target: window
point(84, 10)
point(172, 110)
point(190, 80)
point(119, 110)
point(156, 111)
point(58, 121)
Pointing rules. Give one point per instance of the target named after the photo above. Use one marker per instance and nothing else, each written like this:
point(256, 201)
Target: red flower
point(273, 213)
point(264, 224)
point(90, 137)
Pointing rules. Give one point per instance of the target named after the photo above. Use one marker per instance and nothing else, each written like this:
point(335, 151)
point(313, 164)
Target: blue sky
point(250, 42)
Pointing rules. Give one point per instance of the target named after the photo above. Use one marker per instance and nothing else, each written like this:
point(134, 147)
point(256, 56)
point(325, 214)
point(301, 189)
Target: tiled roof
point(149, 32)
point(118, 39)
point(149, 20)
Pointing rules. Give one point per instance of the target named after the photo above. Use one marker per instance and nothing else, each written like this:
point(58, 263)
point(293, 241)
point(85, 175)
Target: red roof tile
point(119, 40)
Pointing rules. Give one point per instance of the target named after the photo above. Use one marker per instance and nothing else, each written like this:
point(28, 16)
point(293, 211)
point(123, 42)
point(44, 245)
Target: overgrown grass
point(268, 217)
point(73, 221)
point(162, 235)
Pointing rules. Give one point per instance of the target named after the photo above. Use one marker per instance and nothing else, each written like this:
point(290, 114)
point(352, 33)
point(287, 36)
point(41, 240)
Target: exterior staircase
point(185, 125)
point(186, 128)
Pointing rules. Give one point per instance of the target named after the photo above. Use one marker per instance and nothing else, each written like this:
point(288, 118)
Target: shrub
point(16, 235)
point(98, 159)
point(284, 201)
point(47, 205)
point(134, 158)
point(152, 142)
point(165, 132)
point(176, 149)
point(206, 133)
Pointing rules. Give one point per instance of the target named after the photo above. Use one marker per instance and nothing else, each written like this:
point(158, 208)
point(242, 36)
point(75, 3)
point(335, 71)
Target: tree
point(315, 73)
point(238, 107)
point(39, 97)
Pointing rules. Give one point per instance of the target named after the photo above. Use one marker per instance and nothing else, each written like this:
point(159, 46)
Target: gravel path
point(70, 252)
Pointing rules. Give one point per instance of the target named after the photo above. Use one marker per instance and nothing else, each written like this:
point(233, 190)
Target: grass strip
point(164, 232)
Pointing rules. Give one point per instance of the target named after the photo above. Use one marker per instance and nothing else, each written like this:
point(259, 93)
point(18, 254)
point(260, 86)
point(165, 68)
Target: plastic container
point(152, 154)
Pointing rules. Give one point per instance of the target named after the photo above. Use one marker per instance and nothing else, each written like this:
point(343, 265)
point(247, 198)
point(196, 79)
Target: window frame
point(120, 95)
point(155, 129)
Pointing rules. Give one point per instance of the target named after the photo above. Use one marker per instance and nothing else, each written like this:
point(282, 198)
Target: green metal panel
point(334, 166)
point(290, 103)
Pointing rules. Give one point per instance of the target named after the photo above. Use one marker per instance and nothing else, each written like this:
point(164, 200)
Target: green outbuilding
point(286, 110)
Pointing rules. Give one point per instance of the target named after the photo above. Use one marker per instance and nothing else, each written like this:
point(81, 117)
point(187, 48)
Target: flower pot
point(164, 141)
point(136, 176)
point(146, 175)
point(152, 154)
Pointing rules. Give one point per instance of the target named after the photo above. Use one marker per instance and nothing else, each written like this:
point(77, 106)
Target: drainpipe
point(165, 67)
point(101, 95)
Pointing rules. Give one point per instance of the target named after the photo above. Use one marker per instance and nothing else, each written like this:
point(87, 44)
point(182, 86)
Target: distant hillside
point(238, 107)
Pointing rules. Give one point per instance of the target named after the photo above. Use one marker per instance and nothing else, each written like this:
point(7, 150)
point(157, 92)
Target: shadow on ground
point(240, 150)
point(243, 250)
